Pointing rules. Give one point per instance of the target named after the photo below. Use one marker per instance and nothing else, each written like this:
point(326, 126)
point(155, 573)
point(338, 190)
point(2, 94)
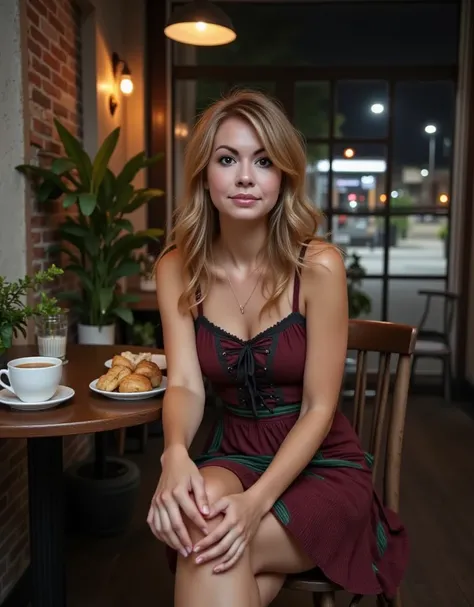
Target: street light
point(431, 129)
point(377, 108)
point(349, 153)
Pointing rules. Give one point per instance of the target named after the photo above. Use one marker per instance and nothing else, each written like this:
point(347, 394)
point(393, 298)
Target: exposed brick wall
point(54, 82)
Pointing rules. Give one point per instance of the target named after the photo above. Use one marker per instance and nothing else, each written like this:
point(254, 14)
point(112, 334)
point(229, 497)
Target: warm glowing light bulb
point(126, 85)
point(200, 26)
point(349, 153)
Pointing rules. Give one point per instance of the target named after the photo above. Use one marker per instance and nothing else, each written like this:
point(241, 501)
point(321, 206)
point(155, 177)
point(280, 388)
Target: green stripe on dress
point(381, 539)
point(282, 512)
point(264, 413)
point(217, 438)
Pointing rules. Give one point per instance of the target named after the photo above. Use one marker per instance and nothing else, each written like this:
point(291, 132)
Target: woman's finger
point(191, 511)
point(200, 495)
point(168, 533)
point(178, 526)
point(231, 562)
point(214, 536)
point(220, 548)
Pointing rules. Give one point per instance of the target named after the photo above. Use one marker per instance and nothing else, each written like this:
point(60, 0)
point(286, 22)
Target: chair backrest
point(449, 301)
point(388, 339)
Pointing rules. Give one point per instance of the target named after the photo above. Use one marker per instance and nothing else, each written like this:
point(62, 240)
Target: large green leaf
point(106, 195)
point(87, 203)
point(133, 167)
point(125, 246)
point(103, 157)
point(76, 153)
point(69, 200)
point(92, 244)
point(106, 296)
point(55, 249)
point(44, 174)
point(83, 276)
point(142, 197)
point(124, 224)
point(128, 298)
point(70, 227)
point(62, 165)
point(125, 314)
point(127, 268)
point(151, 233)
point(6, 335)
point(48, 190)
point(124, 195)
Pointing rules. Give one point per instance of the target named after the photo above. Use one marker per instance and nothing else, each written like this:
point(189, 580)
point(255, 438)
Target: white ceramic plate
point(130, 396)
point(62, 394)
point(158, 359)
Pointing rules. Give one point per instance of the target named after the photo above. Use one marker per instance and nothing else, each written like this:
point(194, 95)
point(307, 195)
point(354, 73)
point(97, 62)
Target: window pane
point(418, 247)
point(317, 180)
point(312, 108)
point(369, 33)
point(361, 109)
point(422, 161)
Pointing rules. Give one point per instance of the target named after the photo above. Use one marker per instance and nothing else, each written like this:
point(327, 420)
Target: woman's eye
point(226, 160)
point(264, 162)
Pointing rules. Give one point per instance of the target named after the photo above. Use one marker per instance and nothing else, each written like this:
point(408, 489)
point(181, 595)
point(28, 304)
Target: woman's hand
point(242, 516)
point(180, 488)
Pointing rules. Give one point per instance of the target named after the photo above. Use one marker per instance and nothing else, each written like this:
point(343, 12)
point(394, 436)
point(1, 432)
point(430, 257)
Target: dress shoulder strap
point(296, 284)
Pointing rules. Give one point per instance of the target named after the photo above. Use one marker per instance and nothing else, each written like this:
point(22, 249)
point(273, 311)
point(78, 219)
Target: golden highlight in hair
point(292, 222)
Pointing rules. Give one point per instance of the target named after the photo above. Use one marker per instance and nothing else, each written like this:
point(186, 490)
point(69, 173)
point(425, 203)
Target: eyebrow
point(235, 152)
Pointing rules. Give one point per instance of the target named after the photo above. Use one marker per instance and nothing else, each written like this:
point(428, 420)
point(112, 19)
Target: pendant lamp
point(200, 23)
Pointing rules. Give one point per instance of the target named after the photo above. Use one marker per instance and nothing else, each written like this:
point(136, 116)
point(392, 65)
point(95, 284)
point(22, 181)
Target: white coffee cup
point(34, 379)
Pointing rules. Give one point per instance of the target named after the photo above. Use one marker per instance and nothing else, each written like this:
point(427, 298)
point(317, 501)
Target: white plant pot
point(102, 336)
point(147, 284)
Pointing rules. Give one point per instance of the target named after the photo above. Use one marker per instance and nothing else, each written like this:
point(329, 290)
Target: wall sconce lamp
point(126, 82)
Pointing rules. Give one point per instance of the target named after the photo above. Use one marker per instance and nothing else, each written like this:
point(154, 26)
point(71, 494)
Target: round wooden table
point(85, 413)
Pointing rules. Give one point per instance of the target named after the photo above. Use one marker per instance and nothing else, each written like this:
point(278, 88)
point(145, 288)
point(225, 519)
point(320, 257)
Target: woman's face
point(242, 181)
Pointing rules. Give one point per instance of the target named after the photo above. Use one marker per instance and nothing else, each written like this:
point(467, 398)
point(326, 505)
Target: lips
point(244, 197)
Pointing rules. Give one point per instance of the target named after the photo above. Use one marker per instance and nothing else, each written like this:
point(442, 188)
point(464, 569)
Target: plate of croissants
point(135, 359)
point(126, 380)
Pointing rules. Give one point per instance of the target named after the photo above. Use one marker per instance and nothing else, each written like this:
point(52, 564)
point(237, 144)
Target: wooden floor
point(437, 499)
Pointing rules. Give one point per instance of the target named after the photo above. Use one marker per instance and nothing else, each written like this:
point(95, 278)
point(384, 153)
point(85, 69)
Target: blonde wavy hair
point(292, 222)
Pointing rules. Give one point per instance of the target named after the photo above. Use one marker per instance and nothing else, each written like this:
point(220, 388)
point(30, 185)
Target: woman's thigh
point(274, 550)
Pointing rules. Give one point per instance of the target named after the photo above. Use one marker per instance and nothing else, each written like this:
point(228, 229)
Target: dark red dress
point(331, 509)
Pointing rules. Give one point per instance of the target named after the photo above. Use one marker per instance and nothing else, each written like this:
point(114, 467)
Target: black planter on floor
point(101, 494)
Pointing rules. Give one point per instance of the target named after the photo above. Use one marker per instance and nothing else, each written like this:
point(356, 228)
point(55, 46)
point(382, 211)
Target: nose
point(245, 178)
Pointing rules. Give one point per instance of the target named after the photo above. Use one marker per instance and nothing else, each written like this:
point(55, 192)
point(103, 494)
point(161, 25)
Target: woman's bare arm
point(183, 404)
point(325, 292)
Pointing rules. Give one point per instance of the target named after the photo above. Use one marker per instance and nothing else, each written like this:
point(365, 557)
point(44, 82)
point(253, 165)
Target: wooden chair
point(385, 440)
point(435, 343)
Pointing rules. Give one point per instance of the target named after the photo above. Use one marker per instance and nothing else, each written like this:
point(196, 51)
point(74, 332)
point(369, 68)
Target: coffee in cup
point(33, 379)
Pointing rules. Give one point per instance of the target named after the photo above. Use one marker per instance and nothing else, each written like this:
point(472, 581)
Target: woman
point(252, 300)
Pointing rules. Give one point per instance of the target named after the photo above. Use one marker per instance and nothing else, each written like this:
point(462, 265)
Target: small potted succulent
point(15, 310)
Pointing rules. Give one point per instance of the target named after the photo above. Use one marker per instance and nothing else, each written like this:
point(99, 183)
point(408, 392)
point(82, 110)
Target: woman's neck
point(240, 243)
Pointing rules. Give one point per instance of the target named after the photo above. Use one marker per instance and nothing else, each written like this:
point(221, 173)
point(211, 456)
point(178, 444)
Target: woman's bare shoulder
point(322, 256)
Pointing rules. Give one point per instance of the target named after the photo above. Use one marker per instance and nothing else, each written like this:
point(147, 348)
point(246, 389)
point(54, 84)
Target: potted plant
point(359, 301)
point(97, 239)
point(14, 309)
point(147, 279)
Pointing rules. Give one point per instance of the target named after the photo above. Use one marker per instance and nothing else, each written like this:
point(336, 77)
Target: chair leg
point(327, 599)
point(356, 599)
point(447, 378)
point(121, 441)
point(412, 372)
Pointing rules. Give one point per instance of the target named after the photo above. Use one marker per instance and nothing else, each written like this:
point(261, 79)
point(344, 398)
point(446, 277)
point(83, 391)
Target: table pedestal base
point(46, 510)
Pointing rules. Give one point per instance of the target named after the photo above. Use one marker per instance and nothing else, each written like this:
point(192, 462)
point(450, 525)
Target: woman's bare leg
point(269, 585)
point(198, 585)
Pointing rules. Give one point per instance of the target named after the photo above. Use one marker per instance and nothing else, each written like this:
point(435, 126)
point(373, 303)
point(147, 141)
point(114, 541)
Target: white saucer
point(158, 359)
point(130, 396)
point(62, 393)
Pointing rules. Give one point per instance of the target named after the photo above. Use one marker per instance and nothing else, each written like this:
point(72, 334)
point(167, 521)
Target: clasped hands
point(185, 493)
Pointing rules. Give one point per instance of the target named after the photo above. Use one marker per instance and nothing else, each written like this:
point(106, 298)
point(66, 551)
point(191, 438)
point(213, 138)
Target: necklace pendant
point(241, 309)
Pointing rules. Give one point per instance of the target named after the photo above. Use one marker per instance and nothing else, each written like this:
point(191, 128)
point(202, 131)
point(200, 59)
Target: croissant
point(135, 383)
point(150, 370)
point(111, 380)
point(121, 361)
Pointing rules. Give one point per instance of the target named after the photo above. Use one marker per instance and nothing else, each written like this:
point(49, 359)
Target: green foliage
point(143, 334)
point(99, 241)
point(359, 302)
point(14, 312)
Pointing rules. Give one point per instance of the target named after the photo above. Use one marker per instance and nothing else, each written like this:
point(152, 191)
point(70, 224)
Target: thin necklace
point(242, 307)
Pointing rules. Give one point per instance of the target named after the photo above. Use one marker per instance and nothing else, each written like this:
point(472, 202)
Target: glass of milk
point(51, 332)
